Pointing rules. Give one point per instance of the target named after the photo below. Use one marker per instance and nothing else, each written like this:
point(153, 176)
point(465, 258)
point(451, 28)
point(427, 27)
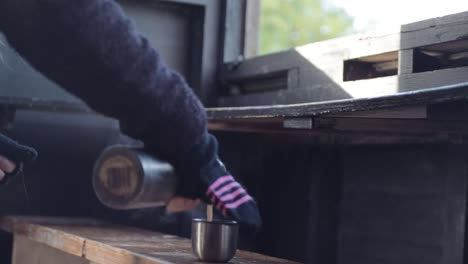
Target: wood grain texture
point(104, 243)
point(27, 251)
point(428, 96)
point(396, 126)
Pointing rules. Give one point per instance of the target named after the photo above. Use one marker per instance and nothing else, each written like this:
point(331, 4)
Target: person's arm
point(90, 48)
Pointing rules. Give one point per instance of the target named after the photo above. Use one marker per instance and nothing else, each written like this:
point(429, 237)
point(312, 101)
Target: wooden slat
point(347, 125)
point(312, 91)
point(27, 251)
point(434, 30)
point(412, 98)
point(104, 243)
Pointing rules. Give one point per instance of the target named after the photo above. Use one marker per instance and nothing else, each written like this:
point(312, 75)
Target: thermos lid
point(118, 176)
point(127, 178)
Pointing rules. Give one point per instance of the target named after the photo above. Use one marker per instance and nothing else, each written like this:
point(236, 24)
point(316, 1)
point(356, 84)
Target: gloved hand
point(6, 166)
point(203, 176)
point(13, 156)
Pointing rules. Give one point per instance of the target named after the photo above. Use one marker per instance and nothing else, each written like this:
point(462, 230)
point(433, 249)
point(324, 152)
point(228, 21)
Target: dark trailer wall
point(325, 196)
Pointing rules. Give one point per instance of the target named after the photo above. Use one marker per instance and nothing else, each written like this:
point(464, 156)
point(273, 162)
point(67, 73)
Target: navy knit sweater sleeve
point(91, 49)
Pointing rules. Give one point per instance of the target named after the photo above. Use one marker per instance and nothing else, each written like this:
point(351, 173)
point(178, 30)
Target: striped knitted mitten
point(207, 178)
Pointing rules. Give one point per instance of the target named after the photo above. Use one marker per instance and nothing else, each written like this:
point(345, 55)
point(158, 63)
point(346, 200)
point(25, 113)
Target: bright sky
point(382, 15)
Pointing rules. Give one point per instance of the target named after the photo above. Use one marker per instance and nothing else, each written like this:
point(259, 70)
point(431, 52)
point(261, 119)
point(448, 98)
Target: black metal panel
point(19, 79)
point(403, 205)
point(186, 32)
point(296, 183)
point(280, 174)
point(169, 29)
point(59, 181)
point(325, 202)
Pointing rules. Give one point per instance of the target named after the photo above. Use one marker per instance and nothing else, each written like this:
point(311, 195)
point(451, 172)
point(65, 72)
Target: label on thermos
point(119, 176)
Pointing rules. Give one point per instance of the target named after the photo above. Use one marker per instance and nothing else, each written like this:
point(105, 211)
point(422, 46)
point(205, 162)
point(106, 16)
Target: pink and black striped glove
point(203, 175)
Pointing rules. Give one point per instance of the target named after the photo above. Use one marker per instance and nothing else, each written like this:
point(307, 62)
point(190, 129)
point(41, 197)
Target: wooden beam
point(27, 251)
point(103, 243)
point(411, 112)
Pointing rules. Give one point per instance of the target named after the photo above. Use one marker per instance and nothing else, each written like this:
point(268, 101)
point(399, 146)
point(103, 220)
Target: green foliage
point(290, 23)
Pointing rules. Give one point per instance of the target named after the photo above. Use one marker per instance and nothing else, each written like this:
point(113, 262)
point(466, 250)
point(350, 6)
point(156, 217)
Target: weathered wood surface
point(411, 98)
point(104, 243)
point(27, 251)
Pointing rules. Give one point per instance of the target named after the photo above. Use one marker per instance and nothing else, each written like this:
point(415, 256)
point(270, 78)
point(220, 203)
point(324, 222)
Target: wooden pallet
point(410, 81)
point(417, 56)
point(84, 241)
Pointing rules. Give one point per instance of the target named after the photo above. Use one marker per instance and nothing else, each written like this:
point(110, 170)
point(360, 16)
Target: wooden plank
point(324, 55)
point(417, 81)
point(412, 112)
point(455, 111)
point(412, 98)
point(405, 61)
point(27, 251)
point(437, 22)
point(434, 30)
point(104, 243)
point(62, 241)
point(319, 91)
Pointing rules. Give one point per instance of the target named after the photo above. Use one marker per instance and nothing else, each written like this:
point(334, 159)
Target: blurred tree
point(290, 23)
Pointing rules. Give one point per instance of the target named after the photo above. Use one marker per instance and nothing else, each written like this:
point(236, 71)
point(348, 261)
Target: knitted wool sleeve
point(91, 49)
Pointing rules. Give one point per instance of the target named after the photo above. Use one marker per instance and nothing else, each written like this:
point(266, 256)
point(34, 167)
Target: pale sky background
point(385, 15)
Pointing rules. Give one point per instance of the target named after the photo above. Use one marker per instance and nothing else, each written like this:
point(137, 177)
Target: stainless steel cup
point(214, 241)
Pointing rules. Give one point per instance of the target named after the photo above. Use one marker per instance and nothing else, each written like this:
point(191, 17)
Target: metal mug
point(214, 241)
